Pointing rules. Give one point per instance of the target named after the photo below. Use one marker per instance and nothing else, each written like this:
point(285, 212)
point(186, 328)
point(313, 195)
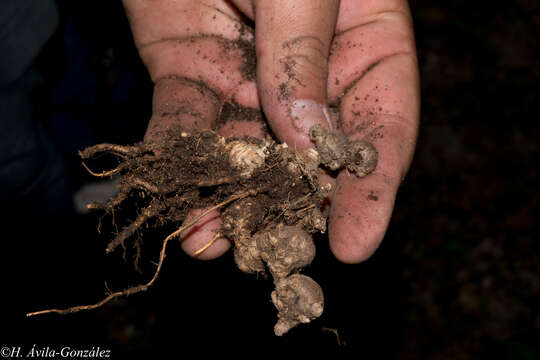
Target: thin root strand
point(104, 173)
point(208, 244)
point(119, 150)
point(128, 231)
point(144, 287)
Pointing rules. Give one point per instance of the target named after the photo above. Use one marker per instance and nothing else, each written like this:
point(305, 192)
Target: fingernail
point(306, 113)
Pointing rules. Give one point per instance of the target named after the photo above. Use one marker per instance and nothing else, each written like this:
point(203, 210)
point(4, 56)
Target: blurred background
point(457, 276)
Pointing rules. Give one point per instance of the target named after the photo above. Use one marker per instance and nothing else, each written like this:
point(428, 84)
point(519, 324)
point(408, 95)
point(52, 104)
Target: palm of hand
point(356, 60)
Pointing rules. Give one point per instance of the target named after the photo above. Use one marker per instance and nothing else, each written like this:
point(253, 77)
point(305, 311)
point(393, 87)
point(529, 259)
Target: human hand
point(348, 65)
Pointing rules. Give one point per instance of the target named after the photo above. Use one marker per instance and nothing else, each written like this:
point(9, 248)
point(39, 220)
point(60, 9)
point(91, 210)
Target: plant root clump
point(268, 194)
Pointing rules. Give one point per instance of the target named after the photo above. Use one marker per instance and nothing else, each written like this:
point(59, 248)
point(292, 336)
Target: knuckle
point(306, 55)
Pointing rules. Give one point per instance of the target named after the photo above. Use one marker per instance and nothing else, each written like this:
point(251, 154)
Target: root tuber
point(268, 194)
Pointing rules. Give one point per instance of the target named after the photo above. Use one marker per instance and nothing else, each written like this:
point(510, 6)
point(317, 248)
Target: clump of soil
point(268, 194)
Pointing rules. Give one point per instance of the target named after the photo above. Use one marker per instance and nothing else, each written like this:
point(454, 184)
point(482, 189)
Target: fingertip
point(304, 114)
point(360, 214)
point(200, 234)
point(293, 43)
point(180, 102)
point(349, 249)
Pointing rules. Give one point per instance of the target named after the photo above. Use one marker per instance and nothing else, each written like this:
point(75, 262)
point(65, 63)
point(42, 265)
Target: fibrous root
point(268, 194)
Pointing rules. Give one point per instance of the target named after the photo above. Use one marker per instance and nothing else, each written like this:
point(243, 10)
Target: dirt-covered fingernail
point(306, 113)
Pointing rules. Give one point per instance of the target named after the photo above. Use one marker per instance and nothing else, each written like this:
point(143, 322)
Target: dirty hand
point(349, 65)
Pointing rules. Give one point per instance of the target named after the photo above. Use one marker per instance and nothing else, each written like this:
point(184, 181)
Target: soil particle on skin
point(249, 59)
point(371, 196)
point(284, 93)
point(234, 111)
point(243, 46)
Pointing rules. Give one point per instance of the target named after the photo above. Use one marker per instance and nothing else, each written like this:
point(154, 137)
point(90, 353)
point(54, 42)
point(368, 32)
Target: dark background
point(457, 276)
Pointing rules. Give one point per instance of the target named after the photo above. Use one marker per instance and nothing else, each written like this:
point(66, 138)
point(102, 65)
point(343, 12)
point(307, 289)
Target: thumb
point(293, 41)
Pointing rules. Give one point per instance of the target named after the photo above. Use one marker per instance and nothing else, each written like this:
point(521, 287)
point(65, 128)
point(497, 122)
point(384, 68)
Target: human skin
point(355, 56)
